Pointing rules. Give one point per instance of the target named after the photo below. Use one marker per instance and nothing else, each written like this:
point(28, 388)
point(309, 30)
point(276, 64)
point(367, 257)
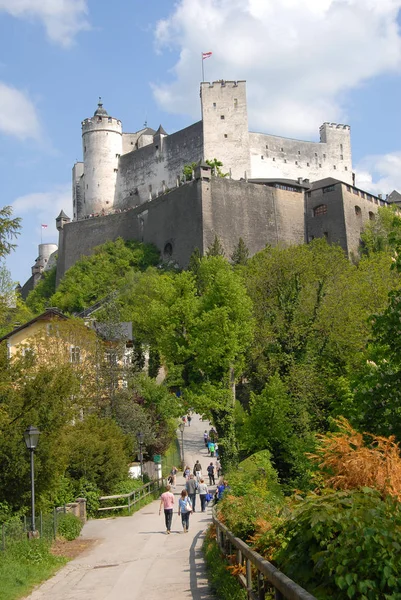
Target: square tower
point(225, 125)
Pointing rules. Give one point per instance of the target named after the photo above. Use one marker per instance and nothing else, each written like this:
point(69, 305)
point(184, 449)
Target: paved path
point(134, 558)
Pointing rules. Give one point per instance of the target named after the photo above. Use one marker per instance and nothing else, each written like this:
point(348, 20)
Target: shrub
point(69, 526)
point(344, 544)
point(221, 581)
point(89, 491)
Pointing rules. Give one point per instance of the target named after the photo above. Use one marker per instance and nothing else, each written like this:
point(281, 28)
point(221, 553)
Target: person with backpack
point(191, 486)
point(198, 470)
point(210, 472)
point(203, 492)
point(189, 419)
point(184, 509)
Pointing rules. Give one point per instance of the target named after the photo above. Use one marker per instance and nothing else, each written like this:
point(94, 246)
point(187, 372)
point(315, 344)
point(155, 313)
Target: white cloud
point(380, 174)
point(18, 114)
point(63, 19)
point(299, 57)
point(42, 208)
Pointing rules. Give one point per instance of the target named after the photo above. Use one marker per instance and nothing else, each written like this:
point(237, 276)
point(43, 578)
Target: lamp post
point(140, 438)
point(31, 436)
point(181, 428)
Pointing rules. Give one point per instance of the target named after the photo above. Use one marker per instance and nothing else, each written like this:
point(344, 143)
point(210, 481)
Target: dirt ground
point(71, 549)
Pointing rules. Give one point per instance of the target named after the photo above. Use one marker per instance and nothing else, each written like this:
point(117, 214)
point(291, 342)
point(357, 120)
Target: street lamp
point(181, 428)
point(140, 438)
point(31, 436)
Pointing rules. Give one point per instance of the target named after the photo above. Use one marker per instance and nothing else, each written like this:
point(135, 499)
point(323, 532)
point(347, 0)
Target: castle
point(277, 190)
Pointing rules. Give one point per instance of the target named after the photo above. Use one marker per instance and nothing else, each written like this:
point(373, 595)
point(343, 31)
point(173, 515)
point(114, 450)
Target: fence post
point(248, 576)
point(278, 595)
point(261, 586)
point(129, 504)
point(54, 522)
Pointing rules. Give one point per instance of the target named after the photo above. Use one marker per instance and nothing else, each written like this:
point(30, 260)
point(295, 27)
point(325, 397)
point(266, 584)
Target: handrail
point(141, 492)
point(284, 587)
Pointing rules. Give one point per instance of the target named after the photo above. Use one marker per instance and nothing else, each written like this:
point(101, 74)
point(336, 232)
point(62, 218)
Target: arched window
point(372, 216)
point(358, 211)
point(168, 250)
point(320, 210)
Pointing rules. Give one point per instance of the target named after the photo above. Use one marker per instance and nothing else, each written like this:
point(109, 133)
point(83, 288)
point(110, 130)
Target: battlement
point(97, 123)
point(223, 83)
point(328, 125)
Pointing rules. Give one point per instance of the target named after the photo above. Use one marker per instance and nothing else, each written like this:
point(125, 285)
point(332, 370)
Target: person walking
point(173, 476)
point(167, 502)
point(198, 470)
point(189, 419)
point(211, 449)
point(210, 472)
point(206, 438)
point(184, 509)
point(202, 494)
point(191, 486)
point(218, 467)
point(187, 472)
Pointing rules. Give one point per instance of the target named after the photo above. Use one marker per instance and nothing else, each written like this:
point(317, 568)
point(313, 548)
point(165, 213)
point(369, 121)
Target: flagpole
point(41, 234)
point(203, 68)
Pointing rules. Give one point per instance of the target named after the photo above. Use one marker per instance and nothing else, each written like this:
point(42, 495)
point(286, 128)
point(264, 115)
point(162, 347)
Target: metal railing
point(16, 530)
point(260, 574)
point(133, 497)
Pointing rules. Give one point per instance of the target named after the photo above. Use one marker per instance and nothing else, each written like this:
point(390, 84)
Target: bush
point(89, 491)
point(222, 582)
point(69, 527)
point(344, 544)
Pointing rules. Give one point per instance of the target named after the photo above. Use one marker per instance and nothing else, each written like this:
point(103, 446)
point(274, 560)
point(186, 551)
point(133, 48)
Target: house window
point(362, 194)
point(262, 157)
point(329, 188)
point(281, 149)
point(341, 157)
point(334, 167)
point(115, 170)
point(341, 147)
point(345, 168)
point(267, 147)
point(117, 156)
point(320, 210)
point(372, 216)
point(75, 354)
point(354, 191)
point(320, 165)
point(307, 164)
point(214, 104)
point(111, 358)
point(348, 188)
point(358, 211)
point(222, 117)
point(299, 151)
point(285, 160)
point(225, 135)
point(296, 162)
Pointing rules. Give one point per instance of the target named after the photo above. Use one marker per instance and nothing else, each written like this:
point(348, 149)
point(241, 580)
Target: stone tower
point(338, 140)
point(102, 147)
point(225, 125)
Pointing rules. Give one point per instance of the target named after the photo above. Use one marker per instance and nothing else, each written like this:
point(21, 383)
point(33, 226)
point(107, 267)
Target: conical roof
point(62, 215)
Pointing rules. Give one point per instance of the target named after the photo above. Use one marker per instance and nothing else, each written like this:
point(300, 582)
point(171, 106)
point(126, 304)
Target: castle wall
point(259, 214)
point(348, 211)
point(173, 222)
point(142, 172)
point(78, 191)
point(129, 142)
point(225, 125)
point(274, 156)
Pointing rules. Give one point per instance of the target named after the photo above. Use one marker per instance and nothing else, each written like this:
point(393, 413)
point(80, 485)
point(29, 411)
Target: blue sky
point(305, 61)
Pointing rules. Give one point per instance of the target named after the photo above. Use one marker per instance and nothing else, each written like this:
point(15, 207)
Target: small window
point(329, 188)
point(358, 211)
point(372, 216)
point(356, 192)
point(281, 149)
point(87, 186)
point(110, 120)
point(341, 157)
point(341, 147)
point(262, 157)
point(345, 168)
point(75, 354)
point(285, 160)
point(307, 164)
point(348, 188)
point(320, 210)
point(334, 167)
point(115, 170)
point(309, 194)
point(316, 154)
point(117, 156)
point(225, 135)
point(296, 162)
point(362, 194)
point(214, 104)
point(132, 143)
point(274, 158)
point(320, 165)
point(99, 119)
point(222, 117)
point(168, 250)
point(267, 147)
point(299, 151)
point(324, 157)
point(84, 148)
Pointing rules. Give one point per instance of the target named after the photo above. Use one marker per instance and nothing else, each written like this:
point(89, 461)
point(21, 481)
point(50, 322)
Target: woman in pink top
point(167, 500)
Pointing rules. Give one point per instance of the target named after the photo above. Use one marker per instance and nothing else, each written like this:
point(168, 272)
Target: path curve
point(133, 557)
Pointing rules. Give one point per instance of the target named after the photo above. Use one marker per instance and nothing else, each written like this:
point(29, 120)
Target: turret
point(102, 148)
point(61, 220)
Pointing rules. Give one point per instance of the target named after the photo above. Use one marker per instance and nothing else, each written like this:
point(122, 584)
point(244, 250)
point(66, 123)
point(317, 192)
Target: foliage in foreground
point(69, 527)
point(24, 565)
point(223, 584)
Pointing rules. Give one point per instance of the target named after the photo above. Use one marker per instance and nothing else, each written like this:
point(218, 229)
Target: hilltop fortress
point(277, 190)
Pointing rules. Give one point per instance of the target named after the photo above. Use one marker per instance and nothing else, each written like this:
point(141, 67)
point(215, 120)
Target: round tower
point(102, 147)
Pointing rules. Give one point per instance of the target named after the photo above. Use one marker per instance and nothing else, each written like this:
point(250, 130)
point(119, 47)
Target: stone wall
point(143, 172)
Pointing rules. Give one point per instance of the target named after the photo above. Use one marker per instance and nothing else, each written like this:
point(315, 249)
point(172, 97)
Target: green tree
point(9, 230)
point(187, 171)
point(240, 255)
point(39, 298)
point(216, 167)
point(216, 248)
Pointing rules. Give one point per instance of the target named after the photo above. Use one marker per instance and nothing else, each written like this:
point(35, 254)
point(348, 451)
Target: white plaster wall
point(102, 146)
point(129, 142)
point(77, 189)
point(274, 156)
point(226, 139)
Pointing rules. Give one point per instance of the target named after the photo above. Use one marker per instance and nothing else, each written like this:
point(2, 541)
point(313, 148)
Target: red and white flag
point(44, 226)
point(206, 55)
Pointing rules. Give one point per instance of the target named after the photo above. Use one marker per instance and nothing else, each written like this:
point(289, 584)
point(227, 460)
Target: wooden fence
point(133, 497)
point(260, 575)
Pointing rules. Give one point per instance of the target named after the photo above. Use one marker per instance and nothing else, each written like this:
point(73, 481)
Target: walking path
point(134, 558)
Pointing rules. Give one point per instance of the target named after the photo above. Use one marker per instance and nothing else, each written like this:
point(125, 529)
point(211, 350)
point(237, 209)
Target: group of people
point(211, 470)
point(210, 441)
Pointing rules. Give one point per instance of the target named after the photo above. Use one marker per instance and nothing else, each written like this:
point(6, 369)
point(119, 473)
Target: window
point(326, 235)
point(329, 188)
point(214, 104)
point(274, 158)
point(285, 160)
point(299, 151)
point(356, 192)
point(320, 210)
point(115, 170)
point(345, 168)
point(307, 164)
point(334, 167)
point(341, 157)
point(281, 149)
point(117, 156)
point(341, 147)
point(168, 250)
point(262, 157)
point(267, 147)
point(358, 211)
point(111, 358)
point(372, 216)
point(222, 117)
point(362, 194)
point(348, 188)
point(225, 135)
point(75, 354)
point(235, 102)
point(324, 157)
point(296, 162)
point(320, 165)
point(110, 120)
point(309, 194)
point(84, 148)
point(316, 154)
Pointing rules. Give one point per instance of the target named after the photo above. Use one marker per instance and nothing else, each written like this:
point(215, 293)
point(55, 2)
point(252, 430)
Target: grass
point(25, 564)
point(172, 457)
point(223, 584)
